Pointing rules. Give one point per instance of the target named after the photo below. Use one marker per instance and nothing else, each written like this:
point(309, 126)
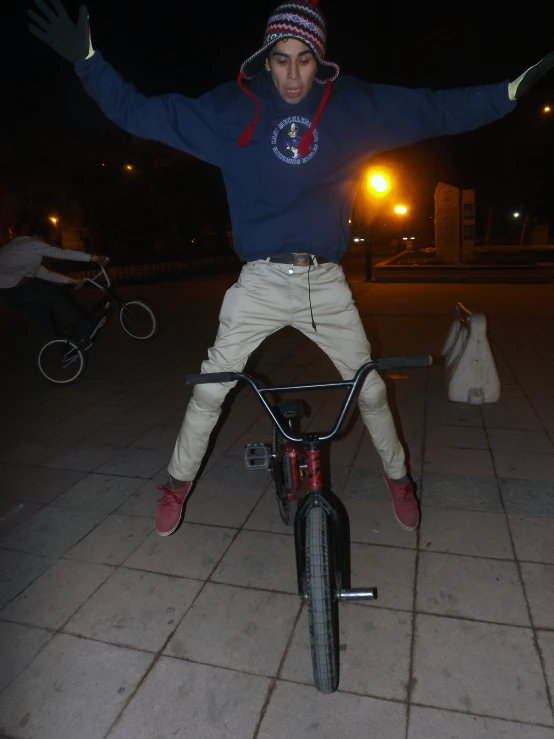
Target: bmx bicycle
point(320, 521)
point(63, 361)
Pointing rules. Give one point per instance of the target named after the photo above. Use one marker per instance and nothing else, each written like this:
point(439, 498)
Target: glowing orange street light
point(400, 210)
point(129, 167)
point(547, 109)
point(54, 220)
point(378, 183)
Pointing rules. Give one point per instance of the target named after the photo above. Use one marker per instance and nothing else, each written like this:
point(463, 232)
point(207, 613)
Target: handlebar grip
point(210, 377)
point(424, 360)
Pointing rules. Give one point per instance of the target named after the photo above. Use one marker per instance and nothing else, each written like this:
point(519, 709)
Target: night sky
point(173, 46)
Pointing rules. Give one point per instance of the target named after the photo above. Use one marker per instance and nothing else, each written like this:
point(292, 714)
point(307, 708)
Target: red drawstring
point(307, 138)
point(246, 135)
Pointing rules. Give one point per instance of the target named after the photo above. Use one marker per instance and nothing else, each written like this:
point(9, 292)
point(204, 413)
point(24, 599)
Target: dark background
point(49, 123)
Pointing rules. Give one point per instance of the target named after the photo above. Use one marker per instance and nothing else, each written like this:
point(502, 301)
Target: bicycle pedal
point(257, 457)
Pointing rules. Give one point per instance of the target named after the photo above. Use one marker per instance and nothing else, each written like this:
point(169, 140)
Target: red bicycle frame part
point(314, 469)
point(297, 482)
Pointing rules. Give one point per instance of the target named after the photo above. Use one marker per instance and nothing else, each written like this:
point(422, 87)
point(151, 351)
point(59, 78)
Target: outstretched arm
point(49, 276)
point(54, 252)
point(409, 115)
point(180, 122)
point(46, 250)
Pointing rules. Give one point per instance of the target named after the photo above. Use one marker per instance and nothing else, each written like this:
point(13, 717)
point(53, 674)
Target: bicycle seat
point(291, 409)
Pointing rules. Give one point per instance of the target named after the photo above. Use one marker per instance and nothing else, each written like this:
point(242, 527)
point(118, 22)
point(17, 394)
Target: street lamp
point(516, 214)
point(55, 221)
point(400, 210)
point(129, 167)
point(547, 109)
point(378, 183)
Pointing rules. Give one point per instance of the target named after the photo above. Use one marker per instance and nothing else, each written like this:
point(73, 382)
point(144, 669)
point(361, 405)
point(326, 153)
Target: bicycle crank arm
point(348, 596)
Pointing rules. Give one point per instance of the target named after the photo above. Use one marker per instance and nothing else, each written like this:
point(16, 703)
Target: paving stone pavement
point(108, 631)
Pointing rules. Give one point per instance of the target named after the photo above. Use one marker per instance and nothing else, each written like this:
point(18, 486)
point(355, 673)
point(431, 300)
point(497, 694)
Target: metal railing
point(163, 269)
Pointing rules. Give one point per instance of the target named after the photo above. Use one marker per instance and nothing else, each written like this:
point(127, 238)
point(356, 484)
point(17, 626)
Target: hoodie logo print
point(286, 138)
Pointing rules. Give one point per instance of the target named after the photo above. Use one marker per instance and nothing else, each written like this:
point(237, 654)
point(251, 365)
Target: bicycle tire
point(145, 315)
point(321, 601)
point(63, 357)
point(287, 508)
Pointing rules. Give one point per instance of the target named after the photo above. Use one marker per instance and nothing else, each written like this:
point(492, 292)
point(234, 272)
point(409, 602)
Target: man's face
point(293, 68)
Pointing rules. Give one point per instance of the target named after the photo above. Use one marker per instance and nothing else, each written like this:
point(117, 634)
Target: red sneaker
point(170, 510)
point(406, 508)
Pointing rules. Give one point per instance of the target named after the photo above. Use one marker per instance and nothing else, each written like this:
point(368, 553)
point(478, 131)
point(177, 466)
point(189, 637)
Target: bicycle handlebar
point(213, 377)
point(424, 360)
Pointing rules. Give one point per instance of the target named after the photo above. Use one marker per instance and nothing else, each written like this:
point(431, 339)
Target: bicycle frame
point(101, 306)
point(104, 288)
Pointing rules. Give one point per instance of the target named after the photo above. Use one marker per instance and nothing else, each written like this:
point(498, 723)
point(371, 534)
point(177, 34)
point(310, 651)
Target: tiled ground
point(108, 631)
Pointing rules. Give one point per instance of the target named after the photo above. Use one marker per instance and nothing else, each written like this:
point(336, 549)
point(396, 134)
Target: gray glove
point(70, 40)
point(519, 87)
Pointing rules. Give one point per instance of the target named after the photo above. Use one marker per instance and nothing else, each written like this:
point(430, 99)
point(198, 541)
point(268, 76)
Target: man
point(291, 176)
point(33, 291)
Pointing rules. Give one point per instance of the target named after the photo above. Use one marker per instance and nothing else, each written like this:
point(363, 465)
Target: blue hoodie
point(279, 201)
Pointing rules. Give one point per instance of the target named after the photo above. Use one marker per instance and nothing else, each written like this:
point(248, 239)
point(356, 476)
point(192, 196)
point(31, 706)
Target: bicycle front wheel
point(138, 320)
point(61, 361)
point(322, 604)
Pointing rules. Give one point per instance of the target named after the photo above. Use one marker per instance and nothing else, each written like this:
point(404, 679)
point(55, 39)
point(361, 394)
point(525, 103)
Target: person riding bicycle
point(33, 291)
point(291, 138)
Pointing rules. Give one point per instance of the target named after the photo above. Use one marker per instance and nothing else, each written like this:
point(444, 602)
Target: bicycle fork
point(318, 496)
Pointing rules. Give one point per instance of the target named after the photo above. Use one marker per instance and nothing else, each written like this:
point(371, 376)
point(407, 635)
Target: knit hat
point(301, 20)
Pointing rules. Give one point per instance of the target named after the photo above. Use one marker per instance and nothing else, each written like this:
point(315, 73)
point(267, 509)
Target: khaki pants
point(267, 297)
